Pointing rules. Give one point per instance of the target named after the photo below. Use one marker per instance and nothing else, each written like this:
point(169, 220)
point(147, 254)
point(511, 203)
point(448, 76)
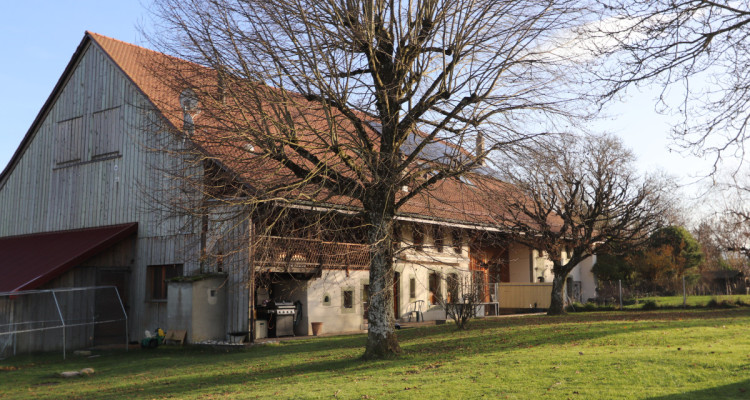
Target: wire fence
point(61, 319)
point(680, 292)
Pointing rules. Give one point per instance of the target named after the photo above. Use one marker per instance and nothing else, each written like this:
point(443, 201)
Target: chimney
point(480, 148)
point(189, 104)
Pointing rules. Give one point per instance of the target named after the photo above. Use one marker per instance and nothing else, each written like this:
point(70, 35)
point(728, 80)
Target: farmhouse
point(84, 200)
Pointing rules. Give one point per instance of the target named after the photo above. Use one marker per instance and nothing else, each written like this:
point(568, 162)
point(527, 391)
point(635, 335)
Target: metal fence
point(680, 292)
point(65, 318)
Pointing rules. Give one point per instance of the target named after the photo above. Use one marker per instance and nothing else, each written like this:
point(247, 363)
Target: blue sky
point(39, 39)
point(41, 36)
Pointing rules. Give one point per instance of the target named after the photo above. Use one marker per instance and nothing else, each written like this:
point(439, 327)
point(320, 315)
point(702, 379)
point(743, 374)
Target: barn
point(81, 208)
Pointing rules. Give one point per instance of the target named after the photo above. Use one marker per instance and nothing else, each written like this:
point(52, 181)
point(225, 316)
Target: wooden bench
point(176, 336)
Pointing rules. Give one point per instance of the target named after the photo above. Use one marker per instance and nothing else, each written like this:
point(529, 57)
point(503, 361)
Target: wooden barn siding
point(40, 195)
point(228, 231)
point(236, 266)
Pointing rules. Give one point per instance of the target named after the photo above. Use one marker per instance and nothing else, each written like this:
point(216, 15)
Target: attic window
point(456, 236)
point(69, 140)
point(417, 237)
point(438, 239)
point(396, 236)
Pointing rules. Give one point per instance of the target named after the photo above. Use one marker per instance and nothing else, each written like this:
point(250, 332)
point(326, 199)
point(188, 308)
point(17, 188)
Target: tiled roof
point(450, 200)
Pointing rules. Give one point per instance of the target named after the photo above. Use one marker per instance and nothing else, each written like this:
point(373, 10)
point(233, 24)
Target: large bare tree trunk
point(381, 334)
point(557, 302)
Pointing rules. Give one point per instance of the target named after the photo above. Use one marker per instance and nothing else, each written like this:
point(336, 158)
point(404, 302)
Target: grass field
point(695, 354)
point(692, 301)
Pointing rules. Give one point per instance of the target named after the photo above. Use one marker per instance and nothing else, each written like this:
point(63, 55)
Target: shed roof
point(28, 261)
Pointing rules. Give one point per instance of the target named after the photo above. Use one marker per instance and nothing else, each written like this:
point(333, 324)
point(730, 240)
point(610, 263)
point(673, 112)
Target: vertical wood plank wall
point(96, 171)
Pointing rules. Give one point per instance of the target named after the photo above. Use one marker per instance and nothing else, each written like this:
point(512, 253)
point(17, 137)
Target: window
point(365, 293)
point(412, 288)
point(438, 239)
point(396, 236)
point(69, 141)
point(418, 237)
point(158, 275)
point(456, 237)
point(107, 133)
point(365, 300)
point(452, 288)
point(348, 299)
point(434, 285)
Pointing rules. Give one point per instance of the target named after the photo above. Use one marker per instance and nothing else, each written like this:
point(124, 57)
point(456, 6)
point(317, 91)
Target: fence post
point(619, 284)
point(124, 313)
point(62, 321)
point(684, 293)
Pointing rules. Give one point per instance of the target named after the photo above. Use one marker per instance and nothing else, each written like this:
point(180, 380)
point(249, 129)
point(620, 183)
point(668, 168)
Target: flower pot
point(317, 328)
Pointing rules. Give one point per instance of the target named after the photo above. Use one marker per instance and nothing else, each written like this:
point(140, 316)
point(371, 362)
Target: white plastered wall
point(582, 272)
point(331, 286)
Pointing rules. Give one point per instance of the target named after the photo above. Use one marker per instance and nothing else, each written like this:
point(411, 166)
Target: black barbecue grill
point(280, 316)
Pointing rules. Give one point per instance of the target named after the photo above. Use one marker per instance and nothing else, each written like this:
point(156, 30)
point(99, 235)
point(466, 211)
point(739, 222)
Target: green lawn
point(662, 354)
point(694, 301)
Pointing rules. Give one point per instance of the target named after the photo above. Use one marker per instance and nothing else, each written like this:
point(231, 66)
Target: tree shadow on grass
point(423, 346)
point(172, 371)
point(739, 390)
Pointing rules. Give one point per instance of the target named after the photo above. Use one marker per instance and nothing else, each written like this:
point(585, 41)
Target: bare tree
point(570, 195)
point(363, 106)
point(463, 297)
point(699, 48)
point(733, 234)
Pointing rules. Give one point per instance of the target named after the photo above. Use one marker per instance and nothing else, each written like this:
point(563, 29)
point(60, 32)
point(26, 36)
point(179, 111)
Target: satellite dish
point(188, 101)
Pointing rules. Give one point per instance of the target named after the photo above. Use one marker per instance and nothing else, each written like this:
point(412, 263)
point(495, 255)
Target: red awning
point(28, 261)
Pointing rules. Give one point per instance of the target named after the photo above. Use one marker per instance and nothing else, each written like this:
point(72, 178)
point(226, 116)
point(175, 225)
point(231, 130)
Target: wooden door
point(479, 274)
point(108, 307)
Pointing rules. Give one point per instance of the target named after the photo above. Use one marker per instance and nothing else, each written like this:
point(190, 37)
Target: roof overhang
point(29, 261)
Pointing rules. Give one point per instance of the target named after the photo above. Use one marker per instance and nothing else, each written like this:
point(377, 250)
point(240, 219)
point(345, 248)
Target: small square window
point(158, 275)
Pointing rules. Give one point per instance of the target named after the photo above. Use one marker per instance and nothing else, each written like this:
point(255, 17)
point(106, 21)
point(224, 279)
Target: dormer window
point(437, 233)
point(418, 237)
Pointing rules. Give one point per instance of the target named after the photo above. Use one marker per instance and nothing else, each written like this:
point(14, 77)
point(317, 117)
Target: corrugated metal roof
point(28, 261)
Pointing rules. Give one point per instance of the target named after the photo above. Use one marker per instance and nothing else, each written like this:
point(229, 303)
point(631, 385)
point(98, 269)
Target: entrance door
point(396, 294)
point(107, 306)
point(479, 275)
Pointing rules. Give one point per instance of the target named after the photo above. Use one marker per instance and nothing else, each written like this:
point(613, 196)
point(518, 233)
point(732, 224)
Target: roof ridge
point(95, 35)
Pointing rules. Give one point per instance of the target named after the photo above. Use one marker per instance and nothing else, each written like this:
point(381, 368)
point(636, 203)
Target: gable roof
point(451, 200)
